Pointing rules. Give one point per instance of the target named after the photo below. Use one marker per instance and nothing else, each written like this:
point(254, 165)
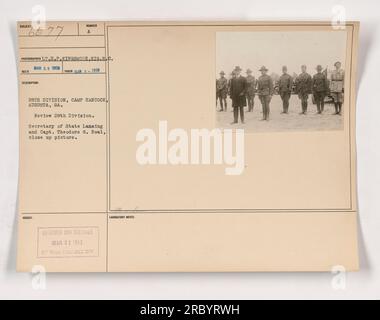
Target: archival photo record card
point(187, 146)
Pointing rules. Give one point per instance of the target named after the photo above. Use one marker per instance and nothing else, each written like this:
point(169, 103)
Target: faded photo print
point(280, 81)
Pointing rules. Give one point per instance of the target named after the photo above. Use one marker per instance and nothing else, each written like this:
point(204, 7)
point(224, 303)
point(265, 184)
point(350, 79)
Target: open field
point(292, 121)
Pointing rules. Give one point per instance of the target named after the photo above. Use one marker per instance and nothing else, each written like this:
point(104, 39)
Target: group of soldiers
point(242, 90)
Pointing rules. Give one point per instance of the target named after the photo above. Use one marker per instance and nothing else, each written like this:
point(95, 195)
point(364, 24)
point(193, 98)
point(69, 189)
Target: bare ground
point(292, 121)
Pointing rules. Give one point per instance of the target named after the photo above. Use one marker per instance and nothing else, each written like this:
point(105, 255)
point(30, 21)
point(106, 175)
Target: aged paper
point(187, 146)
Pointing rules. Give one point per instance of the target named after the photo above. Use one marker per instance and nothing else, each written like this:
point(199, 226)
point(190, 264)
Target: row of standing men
point(242, 90)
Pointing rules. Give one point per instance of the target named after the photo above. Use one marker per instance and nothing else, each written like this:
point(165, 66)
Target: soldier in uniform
point(237, 94)
point(285, 84)
point(251, 87)
point(303, 88)
point(320, 89)
point(265, 91)
point(221, 91)
point(336, 87)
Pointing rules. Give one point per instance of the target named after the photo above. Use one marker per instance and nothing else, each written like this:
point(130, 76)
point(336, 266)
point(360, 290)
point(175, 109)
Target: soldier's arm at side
point(290, 84)
point(296, 83)
point(310, 84)
point(271, 88)
point(327, 85)
point(313, 80)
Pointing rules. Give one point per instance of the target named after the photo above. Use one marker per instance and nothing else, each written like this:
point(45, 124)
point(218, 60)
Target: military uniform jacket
point(337, 81)
point(320, 83)
point(285, 83)
point(222, 86)
point(251, 85)
point(265, 85)
point(237, 91)
point(304, 83)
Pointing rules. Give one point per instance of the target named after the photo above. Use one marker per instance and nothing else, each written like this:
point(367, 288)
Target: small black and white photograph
point(280, 81)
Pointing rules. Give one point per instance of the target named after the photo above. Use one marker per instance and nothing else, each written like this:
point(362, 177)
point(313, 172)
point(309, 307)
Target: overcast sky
point(275, 49)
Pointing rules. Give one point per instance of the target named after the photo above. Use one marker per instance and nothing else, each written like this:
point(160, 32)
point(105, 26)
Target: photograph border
point(351, 101)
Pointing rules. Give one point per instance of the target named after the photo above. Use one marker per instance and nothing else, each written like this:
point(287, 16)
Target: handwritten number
point(39, 32)
point(60, 31)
